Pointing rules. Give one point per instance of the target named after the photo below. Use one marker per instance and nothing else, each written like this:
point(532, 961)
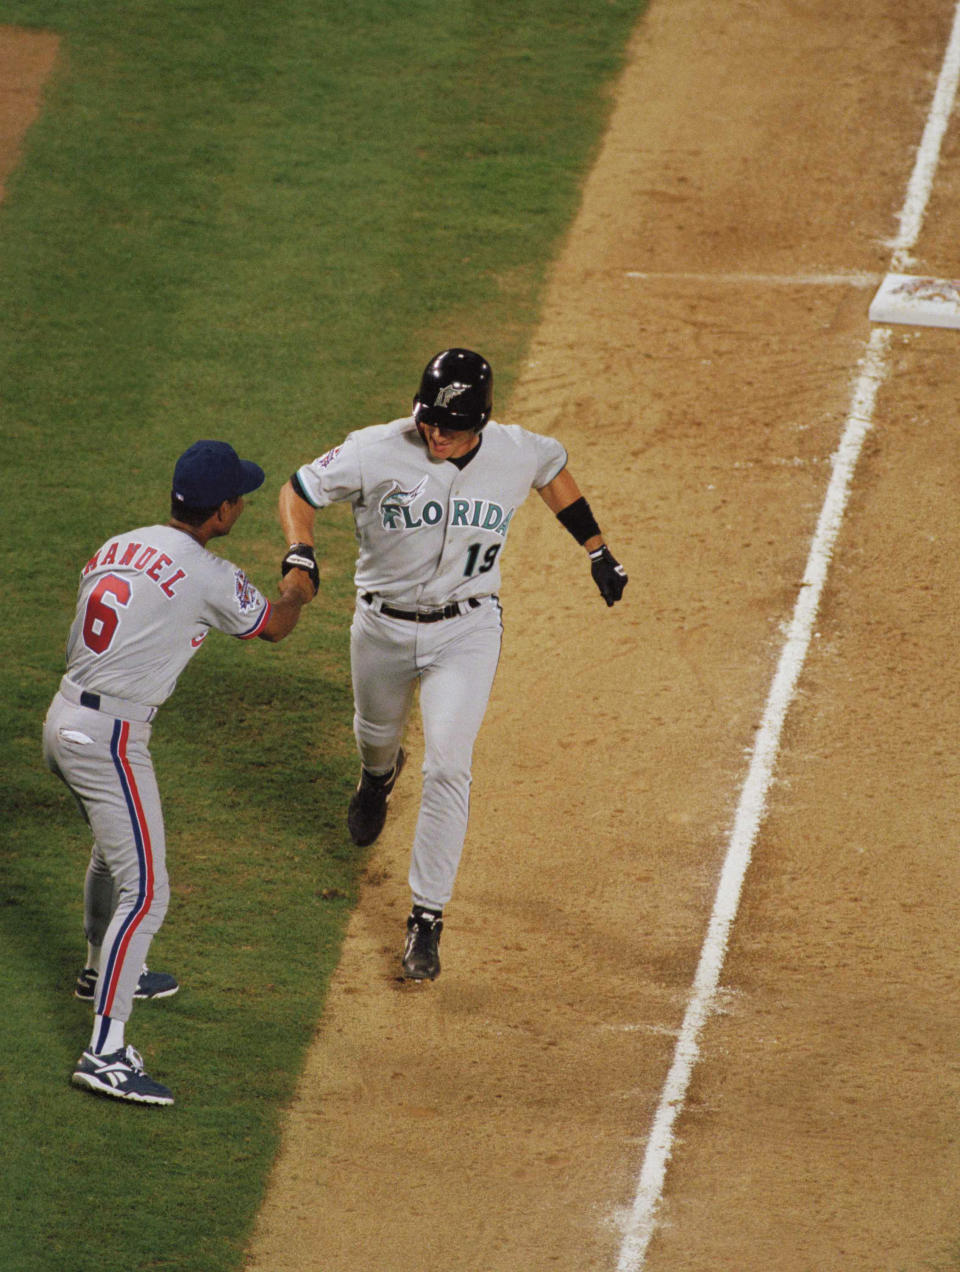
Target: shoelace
point(134, 1059)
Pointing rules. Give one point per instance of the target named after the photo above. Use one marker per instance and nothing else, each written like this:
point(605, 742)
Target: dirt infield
point(26, 59)
point(697, 355)
point(700, 340)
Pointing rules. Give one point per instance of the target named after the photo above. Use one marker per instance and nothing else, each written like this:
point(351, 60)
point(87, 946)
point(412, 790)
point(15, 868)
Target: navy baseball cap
point(209, 472)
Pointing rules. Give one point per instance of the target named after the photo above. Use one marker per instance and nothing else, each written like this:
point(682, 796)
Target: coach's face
point(227, 516)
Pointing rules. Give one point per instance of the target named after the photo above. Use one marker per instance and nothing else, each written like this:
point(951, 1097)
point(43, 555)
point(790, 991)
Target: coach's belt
point(454, 610)
point(119, 707)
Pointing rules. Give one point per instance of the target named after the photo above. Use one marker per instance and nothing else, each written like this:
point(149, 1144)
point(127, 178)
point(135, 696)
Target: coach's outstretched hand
point(608, 574)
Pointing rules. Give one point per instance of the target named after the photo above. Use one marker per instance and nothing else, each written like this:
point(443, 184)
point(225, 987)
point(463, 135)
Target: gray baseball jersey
point(430, 532)
point(147, 601)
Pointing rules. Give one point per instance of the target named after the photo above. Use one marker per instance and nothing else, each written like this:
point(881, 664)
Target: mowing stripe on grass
point(254, 222)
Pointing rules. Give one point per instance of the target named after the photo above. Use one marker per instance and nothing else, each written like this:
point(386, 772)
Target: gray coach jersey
point(147, 600)
point(429, 532)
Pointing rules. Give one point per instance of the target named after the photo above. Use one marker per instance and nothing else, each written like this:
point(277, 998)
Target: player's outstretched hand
point(608, 574)
point(300, 556)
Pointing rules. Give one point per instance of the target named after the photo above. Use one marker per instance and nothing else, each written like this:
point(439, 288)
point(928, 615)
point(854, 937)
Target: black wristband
point(579, 520)
point(297, 485)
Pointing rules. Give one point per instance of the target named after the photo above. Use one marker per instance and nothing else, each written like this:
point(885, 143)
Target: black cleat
point(421, 953)
point(368, 807)
point(150, 984)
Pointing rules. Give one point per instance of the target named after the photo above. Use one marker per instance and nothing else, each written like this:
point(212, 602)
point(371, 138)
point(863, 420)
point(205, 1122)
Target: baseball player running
point(147, 601)
point(433, 496)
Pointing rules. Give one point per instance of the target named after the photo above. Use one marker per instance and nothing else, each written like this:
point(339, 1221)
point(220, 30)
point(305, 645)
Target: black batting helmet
point(456, 391)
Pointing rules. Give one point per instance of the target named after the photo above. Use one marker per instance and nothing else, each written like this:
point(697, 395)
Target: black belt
point(430, 616)
point(136, 712)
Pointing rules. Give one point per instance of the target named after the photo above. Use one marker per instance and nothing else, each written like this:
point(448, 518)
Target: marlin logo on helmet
point(448, 393)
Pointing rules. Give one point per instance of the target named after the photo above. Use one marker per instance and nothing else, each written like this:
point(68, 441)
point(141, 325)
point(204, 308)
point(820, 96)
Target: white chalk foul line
point(860, 279)
point(640, 1226)
point(641, 1222)
point(928, 156)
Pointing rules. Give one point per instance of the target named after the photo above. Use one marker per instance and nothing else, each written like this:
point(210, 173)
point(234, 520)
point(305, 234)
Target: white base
point(926, 302)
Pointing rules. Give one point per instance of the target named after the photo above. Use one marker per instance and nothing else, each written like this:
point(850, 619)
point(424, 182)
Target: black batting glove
point(300, 557)
point(608, 574)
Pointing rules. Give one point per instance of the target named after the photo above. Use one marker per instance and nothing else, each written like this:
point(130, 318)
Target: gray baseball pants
point(454, 661)
point(105, 761)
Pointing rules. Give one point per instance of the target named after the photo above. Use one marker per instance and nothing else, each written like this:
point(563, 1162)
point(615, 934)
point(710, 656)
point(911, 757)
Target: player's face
point(448, 443)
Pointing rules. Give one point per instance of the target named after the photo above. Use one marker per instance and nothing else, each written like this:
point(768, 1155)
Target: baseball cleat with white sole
point(121, 1076)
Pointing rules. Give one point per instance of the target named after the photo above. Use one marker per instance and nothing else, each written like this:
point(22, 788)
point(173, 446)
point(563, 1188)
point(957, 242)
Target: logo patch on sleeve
point(326, 460)
point(247, 595)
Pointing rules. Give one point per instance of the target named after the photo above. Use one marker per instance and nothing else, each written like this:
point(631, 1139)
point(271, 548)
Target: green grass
point(254, 222)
